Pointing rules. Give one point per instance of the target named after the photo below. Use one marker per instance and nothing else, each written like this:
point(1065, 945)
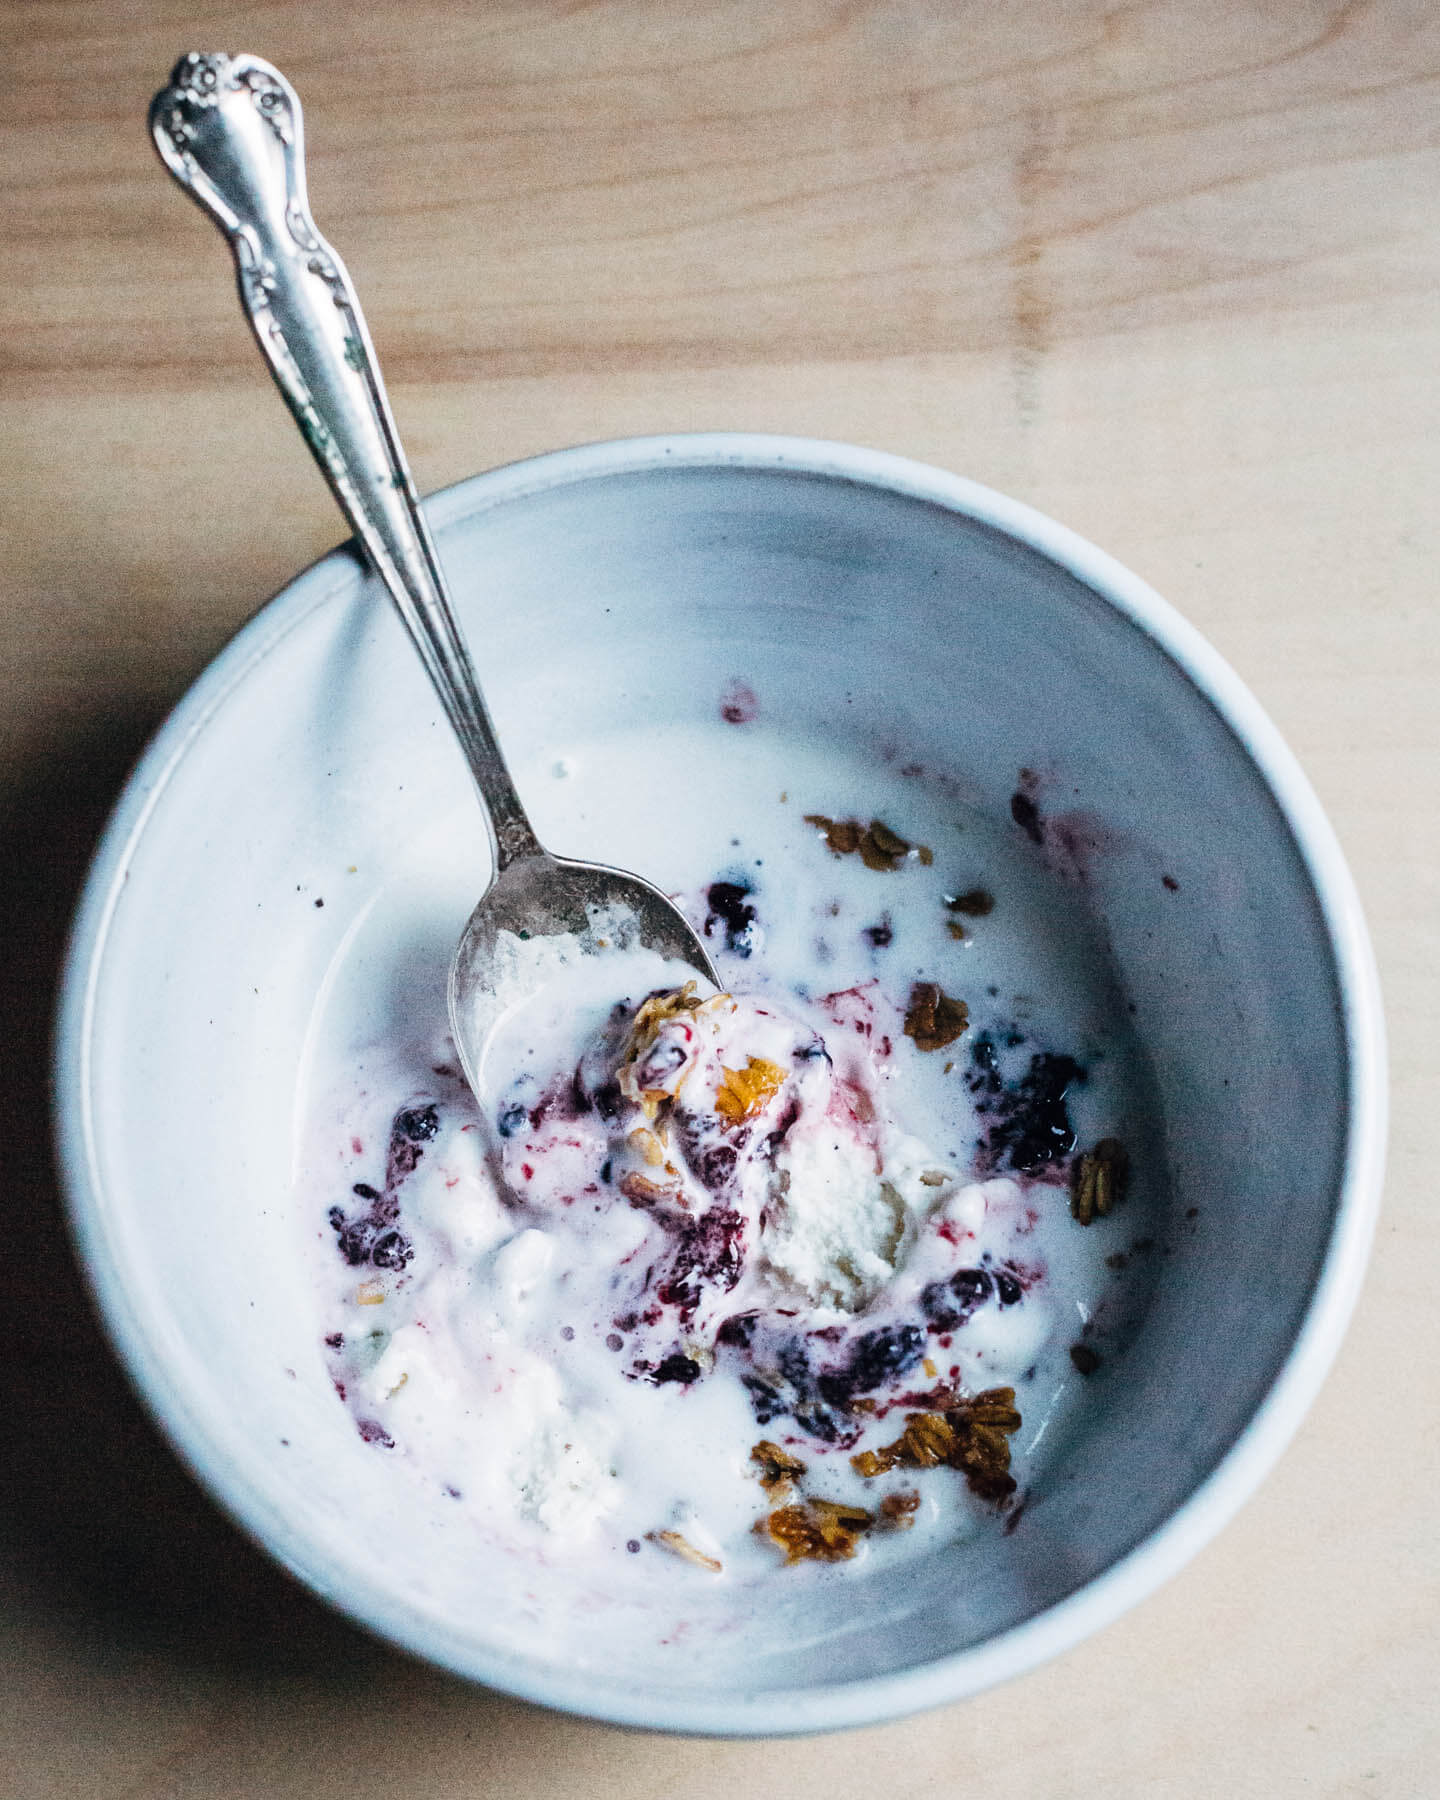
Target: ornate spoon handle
point(229, 130)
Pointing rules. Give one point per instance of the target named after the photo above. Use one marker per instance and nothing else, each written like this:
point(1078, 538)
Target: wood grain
point(1168, 271)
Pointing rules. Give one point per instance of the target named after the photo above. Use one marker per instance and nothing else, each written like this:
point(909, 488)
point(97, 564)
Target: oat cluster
point(817, 1530)
point(972, 1436)
point(934, 1019)
point(878, 847)
point(1097, 1180)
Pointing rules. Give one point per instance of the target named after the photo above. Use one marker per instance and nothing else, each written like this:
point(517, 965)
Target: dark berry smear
point(371, 1235)
point(1028, 1125)
point(728, 907)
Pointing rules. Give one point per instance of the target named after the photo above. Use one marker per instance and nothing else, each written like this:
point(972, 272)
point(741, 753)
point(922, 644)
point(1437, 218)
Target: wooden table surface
point(1167, 270)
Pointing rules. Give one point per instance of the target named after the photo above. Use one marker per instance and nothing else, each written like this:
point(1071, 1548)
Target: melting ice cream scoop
point(229, 130)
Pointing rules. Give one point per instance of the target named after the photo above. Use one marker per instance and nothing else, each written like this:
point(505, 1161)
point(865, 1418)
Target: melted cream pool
point(468, 1356)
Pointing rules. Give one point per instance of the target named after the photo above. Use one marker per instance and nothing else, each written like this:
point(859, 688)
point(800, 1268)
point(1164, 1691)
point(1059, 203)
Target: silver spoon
point(229, 130)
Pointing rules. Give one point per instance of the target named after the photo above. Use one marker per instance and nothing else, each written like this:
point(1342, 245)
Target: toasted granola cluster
point(971, 1435)
point(878, 847)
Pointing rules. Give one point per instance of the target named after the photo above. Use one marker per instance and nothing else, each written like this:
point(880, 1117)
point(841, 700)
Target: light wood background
point(1168, 270)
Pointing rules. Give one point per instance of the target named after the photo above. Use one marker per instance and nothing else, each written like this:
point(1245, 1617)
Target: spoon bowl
point(604, 910)
point(231, 132)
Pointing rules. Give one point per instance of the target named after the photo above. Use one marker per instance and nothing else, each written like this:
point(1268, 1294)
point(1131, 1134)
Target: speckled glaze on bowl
point(632, 580)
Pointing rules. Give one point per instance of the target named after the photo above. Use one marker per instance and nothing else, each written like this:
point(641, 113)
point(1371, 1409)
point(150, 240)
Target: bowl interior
point(312, 766)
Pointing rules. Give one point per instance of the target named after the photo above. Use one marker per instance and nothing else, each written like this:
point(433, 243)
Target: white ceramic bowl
point(629, 582)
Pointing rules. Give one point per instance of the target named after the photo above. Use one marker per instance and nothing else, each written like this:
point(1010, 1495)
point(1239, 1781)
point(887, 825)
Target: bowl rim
point(871, 1700)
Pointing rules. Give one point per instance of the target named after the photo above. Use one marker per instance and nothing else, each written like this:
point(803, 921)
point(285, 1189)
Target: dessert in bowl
point(784, 1357)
